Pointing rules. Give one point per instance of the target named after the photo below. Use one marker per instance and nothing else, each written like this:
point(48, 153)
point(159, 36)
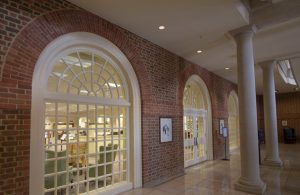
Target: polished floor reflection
point(218, 177)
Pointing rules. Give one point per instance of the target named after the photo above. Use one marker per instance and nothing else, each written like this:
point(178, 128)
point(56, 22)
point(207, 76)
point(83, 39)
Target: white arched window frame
point(85, 99)
point(62, 46)
point(207, 102)
point(234, 97)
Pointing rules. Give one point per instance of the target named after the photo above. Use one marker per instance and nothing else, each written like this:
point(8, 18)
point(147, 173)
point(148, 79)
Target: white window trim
point(193, 111)
point(100, 51)
point(42, 70)
point(84, 99)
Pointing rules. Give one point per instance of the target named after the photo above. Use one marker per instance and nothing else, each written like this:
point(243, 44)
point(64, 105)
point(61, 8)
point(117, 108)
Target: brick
point(11, 19)
point(13, 9)
point(3, 11)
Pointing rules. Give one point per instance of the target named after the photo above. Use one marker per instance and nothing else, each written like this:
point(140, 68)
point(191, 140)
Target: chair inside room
point(108, 160)
point(289, 135)
point(81, 152)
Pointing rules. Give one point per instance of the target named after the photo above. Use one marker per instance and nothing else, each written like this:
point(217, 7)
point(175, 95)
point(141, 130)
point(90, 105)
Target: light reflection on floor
point(218, 177)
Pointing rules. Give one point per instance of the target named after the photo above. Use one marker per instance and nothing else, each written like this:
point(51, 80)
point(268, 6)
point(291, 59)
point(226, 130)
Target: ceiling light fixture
point(199, 51)
point(276, 91)
point(161, 27)
point(296, 88)
point(227, 68)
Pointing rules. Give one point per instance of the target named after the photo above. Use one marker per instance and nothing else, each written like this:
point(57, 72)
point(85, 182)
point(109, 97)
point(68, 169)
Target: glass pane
point(49, 122)
point(124, 176)
point(52, 83)
point(82, 187)
point(123, 155)
point(124, 163)
point(116, 178)
point(49, 182)
point(50, 192)
point(62, 109)
point(86, 74)
point(63, 86)
point(193, 96)
point(50, 108)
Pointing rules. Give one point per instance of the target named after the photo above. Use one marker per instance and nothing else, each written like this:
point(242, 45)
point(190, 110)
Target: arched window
point(196, 121)
point(86, 74)
point(85, 141)
point(87, 134)
point(233, 121)
point(193, 96)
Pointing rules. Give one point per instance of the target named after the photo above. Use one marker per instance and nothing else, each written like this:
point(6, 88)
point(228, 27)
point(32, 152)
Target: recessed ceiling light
point(276, 91)
point(199, 51)
point(227, 68)
point(161, 27)
point(296, 88)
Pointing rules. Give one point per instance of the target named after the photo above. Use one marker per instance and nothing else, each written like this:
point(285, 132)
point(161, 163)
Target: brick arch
point(30, 42)
point(17, 14)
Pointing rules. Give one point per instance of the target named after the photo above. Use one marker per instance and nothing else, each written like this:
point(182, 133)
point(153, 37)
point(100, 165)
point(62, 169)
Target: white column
point(250, 180)
point(270, 118)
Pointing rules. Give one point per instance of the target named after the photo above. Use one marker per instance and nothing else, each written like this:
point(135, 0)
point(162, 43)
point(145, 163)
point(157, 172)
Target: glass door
point(188, 138)
point(194, 137)
point(201, 138)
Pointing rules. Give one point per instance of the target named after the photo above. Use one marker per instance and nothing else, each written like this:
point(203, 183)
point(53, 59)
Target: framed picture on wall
point(284, 123)
point(165, 129)
point(222, 125)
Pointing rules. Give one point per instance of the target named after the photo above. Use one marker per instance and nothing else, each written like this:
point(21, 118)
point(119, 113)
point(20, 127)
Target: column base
point(272, 162)
point(250, 187)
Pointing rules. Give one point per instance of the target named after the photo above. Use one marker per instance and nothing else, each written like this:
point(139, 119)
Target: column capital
point(244, 30)
point(267, 64)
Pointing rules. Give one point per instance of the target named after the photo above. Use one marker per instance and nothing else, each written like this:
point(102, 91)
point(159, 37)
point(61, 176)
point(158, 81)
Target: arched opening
point(233, 121)
point(196, 122)
point(85, 128)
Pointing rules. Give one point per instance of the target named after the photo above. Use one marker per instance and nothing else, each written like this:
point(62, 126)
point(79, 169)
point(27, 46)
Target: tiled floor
point(218, 177)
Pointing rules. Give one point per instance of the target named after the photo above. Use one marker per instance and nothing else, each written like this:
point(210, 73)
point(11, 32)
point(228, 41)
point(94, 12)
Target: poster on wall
point(165, 129)
point(284, 123)
point(225, 134)
point(222, 125)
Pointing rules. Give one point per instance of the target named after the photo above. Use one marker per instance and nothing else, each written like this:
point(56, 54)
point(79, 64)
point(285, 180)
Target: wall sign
point(222, 125)
point(165, 129)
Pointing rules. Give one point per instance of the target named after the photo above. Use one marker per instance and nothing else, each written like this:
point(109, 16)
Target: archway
point(196, 122)
point(84, 127)
point(233, 121)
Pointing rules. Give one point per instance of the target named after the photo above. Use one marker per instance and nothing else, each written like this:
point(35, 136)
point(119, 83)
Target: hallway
point(218, 177)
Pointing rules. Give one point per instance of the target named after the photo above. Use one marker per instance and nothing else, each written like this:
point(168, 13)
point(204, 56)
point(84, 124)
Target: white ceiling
point(202, 24)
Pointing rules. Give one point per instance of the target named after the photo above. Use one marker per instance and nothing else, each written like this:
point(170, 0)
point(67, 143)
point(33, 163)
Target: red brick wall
point(161, 74)
point(288, 108)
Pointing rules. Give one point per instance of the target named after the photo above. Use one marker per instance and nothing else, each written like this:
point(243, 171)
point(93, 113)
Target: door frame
point(207, 100)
